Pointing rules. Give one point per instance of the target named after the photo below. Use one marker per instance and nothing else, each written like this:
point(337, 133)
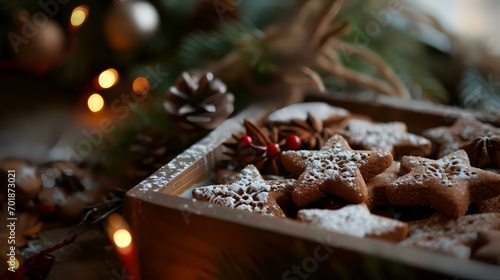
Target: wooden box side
point(158, 217)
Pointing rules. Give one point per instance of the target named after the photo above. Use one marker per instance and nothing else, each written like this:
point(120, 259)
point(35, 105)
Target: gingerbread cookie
point(449, 236)
point(462, 132)
point(331, 202)
point(491, 205)
point(377, 186)
point(251, 193)
point(487, 246)
point(448, 185)
point(387, 137)
point(335, 169)
point(331, 116)
point(355, 220)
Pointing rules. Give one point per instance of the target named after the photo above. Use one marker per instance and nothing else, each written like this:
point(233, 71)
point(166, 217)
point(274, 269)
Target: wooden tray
point(179, 238)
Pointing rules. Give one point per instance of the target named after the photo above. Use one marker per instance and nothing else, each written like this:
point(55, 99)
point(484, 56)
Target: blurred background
point(96, 95)
point(86, 81)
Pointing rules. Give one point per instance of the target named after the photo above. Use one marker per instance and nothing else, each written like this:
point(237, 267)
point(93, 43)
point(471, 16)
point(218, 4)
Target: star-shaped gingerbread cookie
point(250, 192)
point(449, 236)
point(335, 169)
point(355, 220)
point(448, 185)
point(450, 138)
point(389, 137)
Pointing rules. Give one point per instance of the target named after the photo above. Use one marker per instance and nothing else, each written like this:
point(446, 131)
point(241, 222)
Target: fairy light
point(108, 78)
point(95, 102)
point(119, 233)
point(79, 15)
point(140, 86)
point(13, 263)
point(122, 238)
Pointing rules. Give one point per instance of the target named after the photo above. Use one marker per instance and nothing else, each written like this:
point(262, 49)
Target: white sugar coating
point(167, 173)
point(450, 236)
point(354, 220)
point(249, 193)
point(446, 139)
point(451, 138)
point(443, 245)
point(449, 170)
point(463, 230)
point(319, 110)
point(383, 136)
point(336, 162)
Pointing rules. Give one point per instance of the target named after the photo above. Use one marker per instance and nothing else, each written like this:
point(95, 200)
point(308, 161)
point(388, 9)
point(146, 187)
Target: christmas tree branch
point(479, 56)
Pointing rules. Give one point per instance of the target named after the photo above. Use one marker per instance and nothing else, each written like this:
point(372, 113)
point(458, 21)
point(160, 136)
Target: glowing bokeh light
point(95, 102)
point(13, 263)
point(79, 15)
point(108, 78)
point(140, 86)
point(122, 238)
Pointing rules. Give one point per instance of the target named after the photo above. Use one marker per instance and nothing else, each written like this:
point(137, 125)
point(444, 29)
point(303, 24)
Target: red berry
point(273, 150)
point(293, 142)
point(246, 141)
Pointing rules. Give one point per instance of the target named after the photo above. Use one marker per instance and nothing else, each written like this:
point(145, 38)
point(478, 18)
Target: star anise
point(257, 153)
point(311, 132)
point(484, 151)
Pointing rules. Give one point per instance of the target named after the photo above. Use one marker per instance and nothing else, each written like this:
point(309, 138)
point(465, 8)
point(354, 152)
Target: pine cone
point(149, 152)
point(198, 101)
point(65, 175)
point(67, 188)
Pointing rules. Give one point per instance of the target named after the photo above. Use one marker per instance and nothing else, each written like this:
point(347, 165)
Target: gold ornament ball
point(129, 24)
point(38, 41)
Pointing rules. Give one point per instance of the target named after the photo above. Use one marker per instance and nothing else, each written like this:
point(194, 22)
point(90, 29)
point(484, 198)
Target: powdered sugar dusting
point(448, 233)
point(354, 220)
point(319, 110)
point(461, 132)
point(448, 170)
point(179, 164)
point(382, 137)
point(249, 192)
point(443, 245)
point(336, 162)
